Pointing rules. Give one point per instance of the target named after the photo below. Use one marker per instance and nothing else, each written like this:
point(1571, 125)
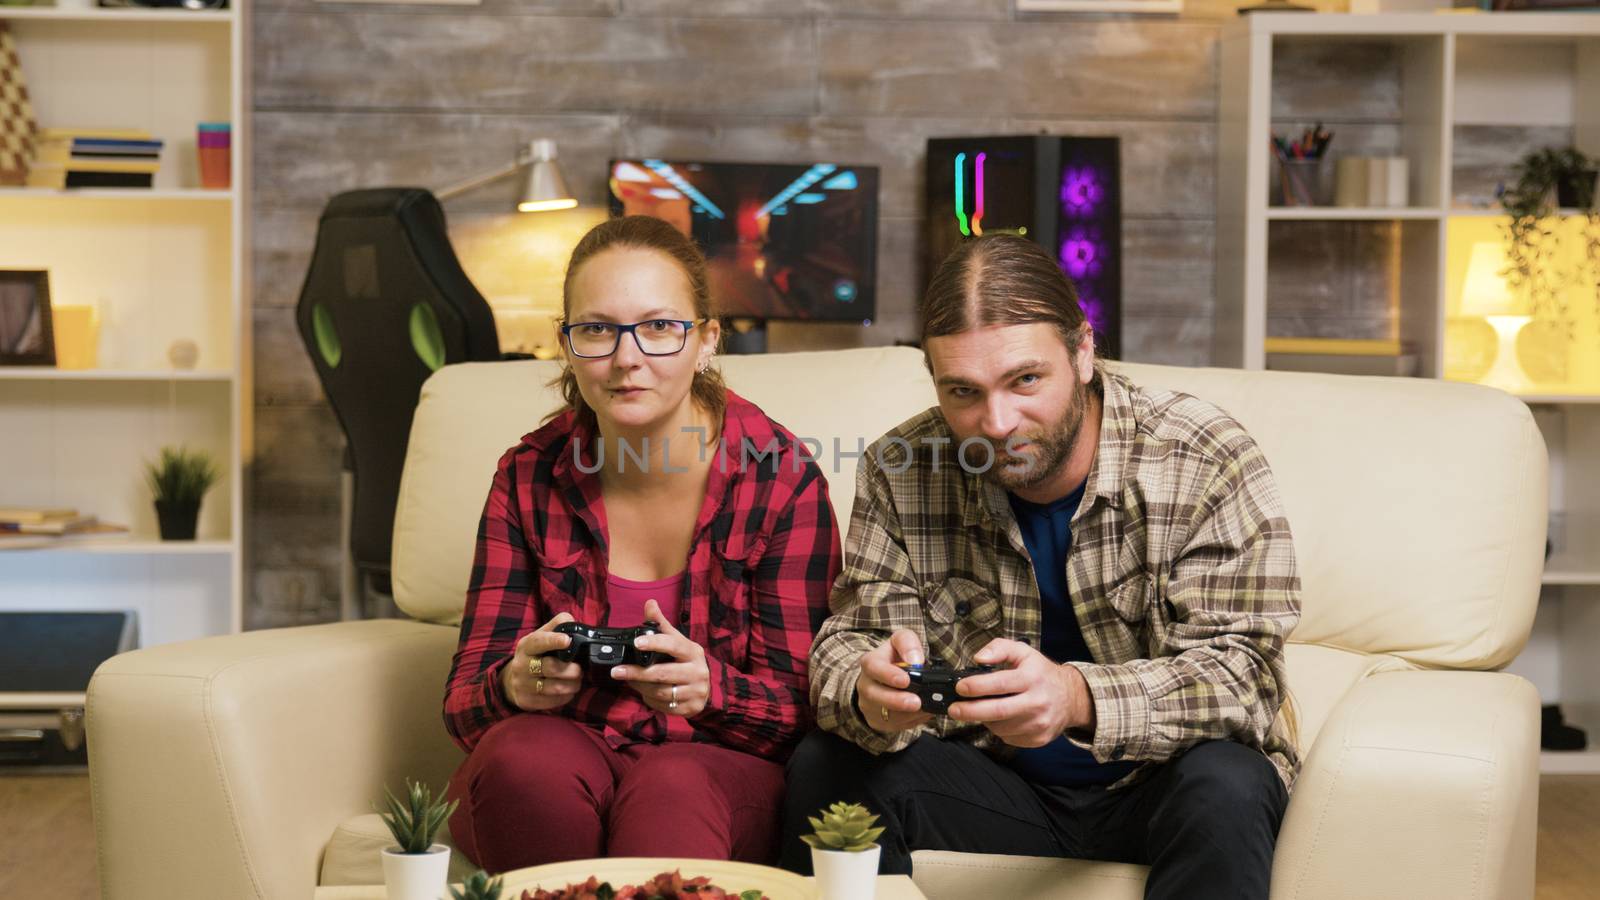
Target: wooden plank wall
point(357, 95)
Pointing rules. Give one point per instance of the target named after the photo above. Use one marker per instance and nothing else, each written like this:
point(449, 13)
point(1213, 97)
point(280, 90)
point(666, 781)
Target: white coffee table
point(778, 884)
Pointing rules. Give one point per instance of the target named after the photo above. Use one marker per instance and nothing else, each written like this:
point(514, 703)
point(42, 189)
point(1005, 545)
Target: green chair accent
point(327, 336)
point(426, 339)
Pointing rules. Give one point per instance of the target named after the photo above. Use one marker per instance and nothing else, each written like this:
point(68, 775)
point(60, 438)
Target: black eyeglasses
point(655, 337)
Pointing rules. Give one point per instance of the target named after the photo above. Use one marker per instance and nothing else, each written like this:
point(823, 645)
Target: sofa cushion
point(1418, 506)
point(354, 855)
point(1319, 677)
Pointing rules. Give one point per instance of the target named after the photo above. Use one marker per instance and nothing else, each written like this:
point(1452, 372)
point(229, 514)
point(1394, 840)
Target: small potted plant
point(844, 851)
point(478, 887)
point(416, 868)
point(179, 482)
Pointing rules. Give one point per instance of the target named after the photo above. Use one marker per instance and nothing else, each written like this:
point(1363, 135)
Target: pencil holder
point(1300, 182)
point(213, 144)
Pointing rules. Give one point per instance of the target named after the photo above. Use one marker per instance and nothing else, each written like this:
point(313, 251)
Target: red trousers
point(541, 788)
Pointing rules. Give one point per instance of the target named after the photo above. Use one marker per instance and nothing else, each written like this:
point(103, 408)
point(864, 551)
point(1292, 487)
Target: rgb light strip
point(977, 215)
point(961, 194)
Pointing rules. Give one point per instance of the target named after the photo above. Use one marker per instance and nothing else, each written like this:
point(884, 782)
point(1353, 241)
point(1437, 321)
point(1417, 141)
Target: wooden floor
point(1569, 837)
point(47, 837)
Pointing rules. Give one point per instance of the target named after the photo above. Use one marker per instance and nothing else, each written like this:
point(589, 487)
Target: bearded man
point(1118, 555)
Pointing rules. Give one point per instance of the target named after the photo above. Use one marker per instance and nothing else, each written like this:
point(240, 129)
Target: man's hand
point(555, 683)
point(1047, 698)
point(678, 688)
point(881, 687)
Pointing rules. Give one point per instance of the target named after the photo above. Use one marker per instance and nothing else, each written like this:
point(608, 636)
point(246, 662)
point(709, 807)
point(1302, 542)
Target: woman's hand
point(535, 680)
point(677, 688)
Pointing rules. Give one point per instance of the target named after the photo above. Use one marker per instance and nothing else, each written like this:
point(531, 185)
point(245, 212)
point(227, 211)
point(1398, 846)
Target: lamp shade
point(544, 189)
point(1485, 292)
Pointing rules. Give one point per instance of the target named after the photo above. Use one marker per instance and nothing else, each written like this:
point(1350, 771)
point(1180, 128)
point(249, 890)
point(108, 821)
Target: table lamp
point(543, 189)
point(1486, 294)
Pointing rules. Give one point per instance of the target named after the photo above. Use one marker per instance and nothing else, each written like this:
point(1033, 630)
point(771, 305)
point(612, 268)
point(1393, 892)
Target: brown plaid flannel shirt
point(1182, 575)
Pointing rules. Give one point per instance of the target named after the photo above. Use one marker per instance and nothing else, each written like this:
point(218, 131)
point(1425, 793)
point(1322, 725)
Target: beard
point(1048, 451)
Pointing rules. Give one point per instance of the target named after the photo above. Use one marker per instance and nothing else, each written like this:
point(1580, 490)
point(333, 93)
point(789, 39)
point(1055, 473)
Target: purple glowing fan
point(1093, 309)
point(1081, 191)
point(1082, 253)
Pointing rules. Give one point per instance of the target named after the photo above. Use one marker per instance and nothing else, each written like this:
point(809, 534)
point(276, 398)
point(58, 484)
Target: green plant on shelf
point(1544, 182)
point(181, 477)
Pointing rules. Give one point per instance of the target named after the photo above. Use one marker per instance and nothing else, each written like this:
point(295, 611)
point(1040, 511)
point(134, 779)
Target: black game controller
point(597, 645)
point(935, 683)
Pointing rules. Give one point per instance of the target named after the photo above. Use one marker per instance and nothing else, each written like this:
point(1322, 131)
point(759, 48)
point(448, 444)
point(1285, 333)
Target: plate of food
point(637, 878)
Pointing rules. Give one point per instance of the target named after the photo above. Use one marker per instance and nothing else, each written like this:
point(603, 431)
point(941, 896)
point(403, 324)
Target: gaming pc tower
point(1063, 192)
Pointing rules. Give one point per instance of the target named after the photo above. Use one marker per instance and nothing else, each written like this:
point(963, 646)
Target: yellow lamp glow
point(1486, 294)
point(546, 205)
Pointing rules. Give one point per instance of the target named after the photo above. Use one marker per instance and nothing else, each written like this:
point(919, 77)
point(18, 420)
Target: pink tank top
point(627, 599)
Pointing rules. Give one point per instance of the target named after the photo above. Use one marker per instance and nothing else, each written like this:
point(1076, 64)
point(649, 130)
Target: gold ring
point(538, 685)
point(674, 693)
point(885, 711)
point(536, 665)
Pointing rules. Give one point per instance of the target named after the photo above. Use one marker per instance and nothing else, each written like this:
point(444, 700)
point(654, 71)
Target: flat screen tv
point(783, 241)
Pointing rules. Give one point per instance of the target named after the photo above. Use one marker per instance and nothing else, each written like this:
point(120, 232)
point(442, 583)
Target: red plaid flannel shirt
point(762, 561)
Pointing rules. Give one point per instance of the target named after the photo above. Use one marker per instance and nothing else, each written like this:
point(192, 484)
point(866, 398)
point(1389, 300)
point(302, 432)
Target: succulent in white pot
point(416, 868)
point(479, 886)
point(844, 851)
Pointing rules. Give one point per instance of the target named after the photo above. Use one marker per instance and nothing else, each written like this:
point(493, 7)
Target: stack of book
point(94, 158)
point(22, 522)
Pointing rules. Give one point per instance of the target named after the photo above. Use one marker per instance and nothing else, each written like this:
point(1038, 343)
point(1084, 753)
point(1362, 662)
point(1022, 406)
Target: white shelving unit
point(1346, 214)
point(131, 14)
point(28, 373)
point(162, 264)
point(1507, 69)
point(110, 194)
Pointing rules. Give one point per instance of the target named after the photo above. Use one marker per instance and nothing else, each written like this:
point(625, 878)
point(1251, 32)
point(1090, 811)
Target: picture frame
point(1170, 7)
point(26, 335)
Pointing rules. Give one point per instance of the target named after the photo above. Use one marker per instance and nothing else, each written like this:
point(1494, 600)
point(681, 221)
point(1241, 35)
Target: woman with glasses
point(653, 496)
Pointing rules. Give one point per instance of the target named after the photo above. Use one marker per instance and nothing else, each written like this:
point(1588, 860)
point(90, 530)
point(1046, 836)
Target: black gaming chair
point(385, 304)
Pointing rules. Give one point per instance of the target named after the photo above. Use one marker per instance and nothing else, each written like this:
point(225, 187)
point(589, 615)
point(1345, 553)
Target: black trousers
point(1205, 823)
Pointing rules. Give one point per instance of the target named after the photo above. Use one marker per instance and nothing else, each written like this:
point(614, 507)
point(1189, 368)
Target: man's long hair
point(1001, 279)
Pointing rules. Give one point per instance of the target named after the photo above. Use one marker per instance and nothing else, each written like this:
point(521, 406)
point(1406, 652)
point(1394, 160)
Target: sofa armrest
point(1421, 785)
point(225, 764)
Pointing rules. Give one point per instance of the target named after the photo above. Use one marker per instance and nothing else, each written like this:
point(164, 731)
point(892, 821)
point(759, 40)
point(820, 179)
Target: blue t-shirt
point(1047, 533)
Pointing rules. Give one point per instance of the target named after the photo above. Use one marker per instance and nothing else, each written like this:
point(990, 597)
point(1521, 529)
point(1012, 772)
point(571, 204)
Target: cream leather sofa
point(247, 766)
